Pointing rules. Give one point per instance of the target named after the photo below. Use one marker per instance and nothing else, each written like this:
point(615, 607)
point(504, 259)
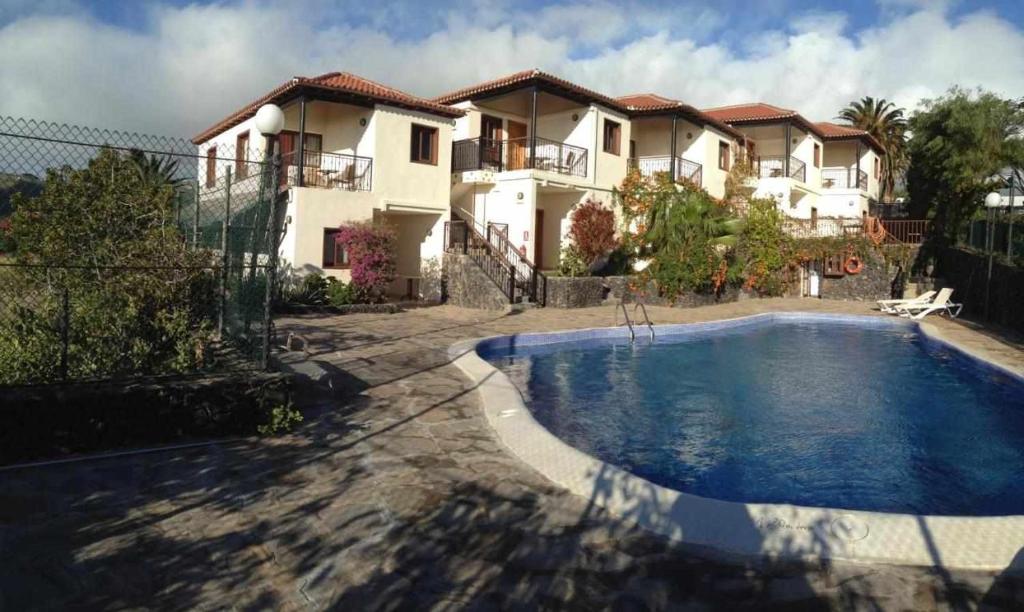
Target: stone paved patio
point(395, 495)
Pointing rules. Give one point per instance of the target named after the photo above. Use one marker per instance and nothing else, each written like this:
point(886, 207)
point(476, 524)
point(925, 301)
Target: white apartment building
point(352, 150)
point(813, 170)
point(516, 155)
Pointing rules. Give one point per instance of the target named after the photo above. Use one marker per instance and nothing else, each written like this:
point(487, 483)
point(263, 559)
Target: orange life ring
point(853, 265)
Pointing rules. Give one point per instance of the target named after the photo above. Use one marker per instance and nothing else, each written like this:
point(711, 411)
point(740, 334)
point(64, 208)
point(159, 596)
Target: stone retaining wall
point(874, 282)
point(466, 285)
point(575, 292)
point(46, 421)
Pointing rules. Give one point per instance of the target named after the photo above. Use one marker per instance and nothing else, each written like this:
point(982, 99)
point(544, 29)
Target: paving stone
point(398, 497)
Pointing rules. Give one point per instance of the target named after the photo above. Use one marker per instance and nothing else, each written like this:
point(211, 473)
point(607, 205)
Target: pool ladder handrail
point(647, 320)
point(629, 322)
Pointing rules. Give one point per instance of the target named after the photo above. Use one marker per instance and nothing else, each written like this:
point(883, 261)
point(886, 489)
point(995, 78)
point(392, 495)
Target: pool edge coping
point(780, 531)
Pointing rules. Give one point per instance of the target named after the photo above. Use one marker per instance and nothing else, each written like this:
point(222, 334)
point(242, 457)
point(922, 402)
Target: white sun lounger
point(891, 305)
point(940, 304)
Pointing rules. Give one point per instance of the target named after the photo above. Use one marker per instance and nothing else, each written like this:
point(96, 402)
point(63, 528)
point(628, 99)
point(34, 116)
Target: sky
point(173, 67)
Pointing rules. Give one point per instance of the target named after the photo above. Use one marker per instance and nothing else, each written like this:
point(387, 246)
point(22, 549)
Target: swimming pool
point(853, 414)
point(746, 471)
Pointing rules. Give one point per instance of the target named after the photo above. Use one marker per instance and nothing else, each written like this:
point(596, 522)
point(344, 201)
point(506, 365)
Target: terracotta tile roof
point(647, 100)
point(653, 104)
point(330, 83)
point(525, 77)
point(832, 131)
point(757, 112)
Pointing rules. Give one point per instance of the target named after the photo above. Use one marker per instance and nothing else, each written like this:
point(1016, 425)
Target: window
point(242, 155)
point(335, 256)
point(424, 145)
point(211, 166)
point(314, 145)
point(817, 155)
point(878, 167)
point(723, 155)
point(612, 136)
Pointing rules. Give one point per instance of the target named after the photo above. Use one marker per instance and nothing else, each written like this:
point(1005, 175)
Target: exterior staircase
point(490, 249)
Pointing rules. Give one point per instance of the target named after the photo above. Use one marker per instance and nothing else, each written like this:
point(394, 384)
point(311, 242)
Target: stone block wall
point(874, 282)
point(466, 285)
point(575, 292)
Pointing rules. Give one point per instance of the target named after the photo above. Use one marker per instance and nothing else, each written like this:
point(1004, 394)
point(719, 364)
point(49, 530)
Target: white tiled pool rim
point(759, 530)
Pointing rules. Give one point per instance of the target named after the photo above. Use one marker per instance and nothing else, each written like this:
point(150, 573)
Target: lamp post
point(269, 121)
point(992, 201)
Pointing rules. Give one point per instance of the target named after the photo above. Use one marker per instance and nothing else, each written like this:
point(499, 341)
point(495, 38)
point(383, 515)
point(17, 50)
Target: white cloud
point(192, 65)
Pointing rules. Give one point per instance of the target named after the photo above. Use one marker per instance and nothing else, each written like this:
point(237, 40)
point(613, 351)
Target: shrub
point(340, 293)
point(88, 237)
point(592, 231)
point(371, 253)
point(571, 263)
point(281, 419)
point(311, 291)
point(765, 249)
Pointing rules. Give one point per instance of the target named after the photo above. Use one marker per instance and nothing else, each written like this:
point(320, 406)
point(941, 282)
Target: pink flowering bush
point(371, 256)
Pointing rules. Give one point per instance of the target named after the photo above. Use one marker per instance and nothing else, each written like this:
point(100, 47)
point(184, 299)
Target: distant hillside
point(11, 184)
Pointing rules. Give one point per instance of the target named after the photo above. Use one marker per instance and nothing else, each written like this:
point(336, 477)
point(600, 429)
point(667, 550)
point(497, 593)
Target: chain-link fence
point(125, 255)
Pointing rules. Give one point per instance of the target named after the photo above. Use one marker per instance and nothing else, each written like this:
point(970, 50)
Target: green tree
point(958, 142)
point(685, 233)
point(101, 251)
point(887, 124)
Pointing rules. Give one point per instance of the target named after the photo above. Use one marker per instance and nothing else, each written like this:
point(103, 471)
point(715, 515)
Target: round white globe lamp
point(270, 120)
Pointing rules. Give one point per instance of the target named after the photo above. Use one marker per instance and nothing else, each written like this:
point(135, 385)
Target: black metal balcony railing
point(686, 170)
point(774, 166)
point(514, 154)
point(843, 178)
point(328, 171)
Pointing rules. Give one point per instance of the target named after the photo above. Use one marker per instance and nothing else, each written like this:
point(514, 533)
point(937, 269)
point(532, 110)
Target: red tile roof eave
point(295, 87)
point(695, 115)
point(525, 78)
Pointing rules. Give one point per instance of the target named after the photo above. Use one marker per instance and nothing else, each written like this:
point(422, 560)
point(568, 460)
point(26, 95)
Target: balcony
point(686, 170)
point(328, 171)
point(844, 178)
point(774, 166)
point(514, 154)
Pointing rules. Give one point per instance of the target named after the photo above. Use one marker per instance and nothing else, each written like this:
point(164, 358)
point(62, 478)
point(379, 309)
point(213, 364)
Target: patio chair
point(891, 305)
point(940, 304)
point(570, 161)
point(349, 179)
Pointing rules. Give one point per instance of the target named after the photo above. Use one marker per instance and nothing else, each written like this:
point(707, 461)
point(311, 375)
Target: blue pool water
point(840, 414)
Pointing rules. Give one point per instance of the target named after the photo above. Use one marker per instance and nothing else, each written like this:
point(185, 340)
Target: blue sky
point(174, 66)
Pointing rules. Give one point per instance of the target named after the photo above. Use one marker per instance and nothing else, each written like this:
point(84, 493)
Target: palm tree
point(156, 171)
point(887, 124)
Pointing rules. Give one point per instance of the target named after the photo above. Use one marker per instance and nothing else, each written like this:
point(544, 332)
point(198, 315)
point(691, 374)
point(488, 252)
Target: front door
point(518, 147)
point(490, 141)
point(538, 238)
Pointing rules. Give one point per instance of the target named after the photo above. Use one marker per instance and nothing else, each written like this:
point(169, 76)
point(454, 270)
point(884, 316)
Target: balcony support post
point(672, 150)
point(533, 128)
point(301, 182)
point(857, 176)
point(789, 149)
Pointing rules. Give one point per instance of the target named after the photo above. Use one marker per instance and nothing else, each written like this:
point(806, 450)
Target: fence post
point(1009, 229)
point(195, 220)
point(511, 284)
point(65, 324)
point(225, 227)
point(271, 269)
